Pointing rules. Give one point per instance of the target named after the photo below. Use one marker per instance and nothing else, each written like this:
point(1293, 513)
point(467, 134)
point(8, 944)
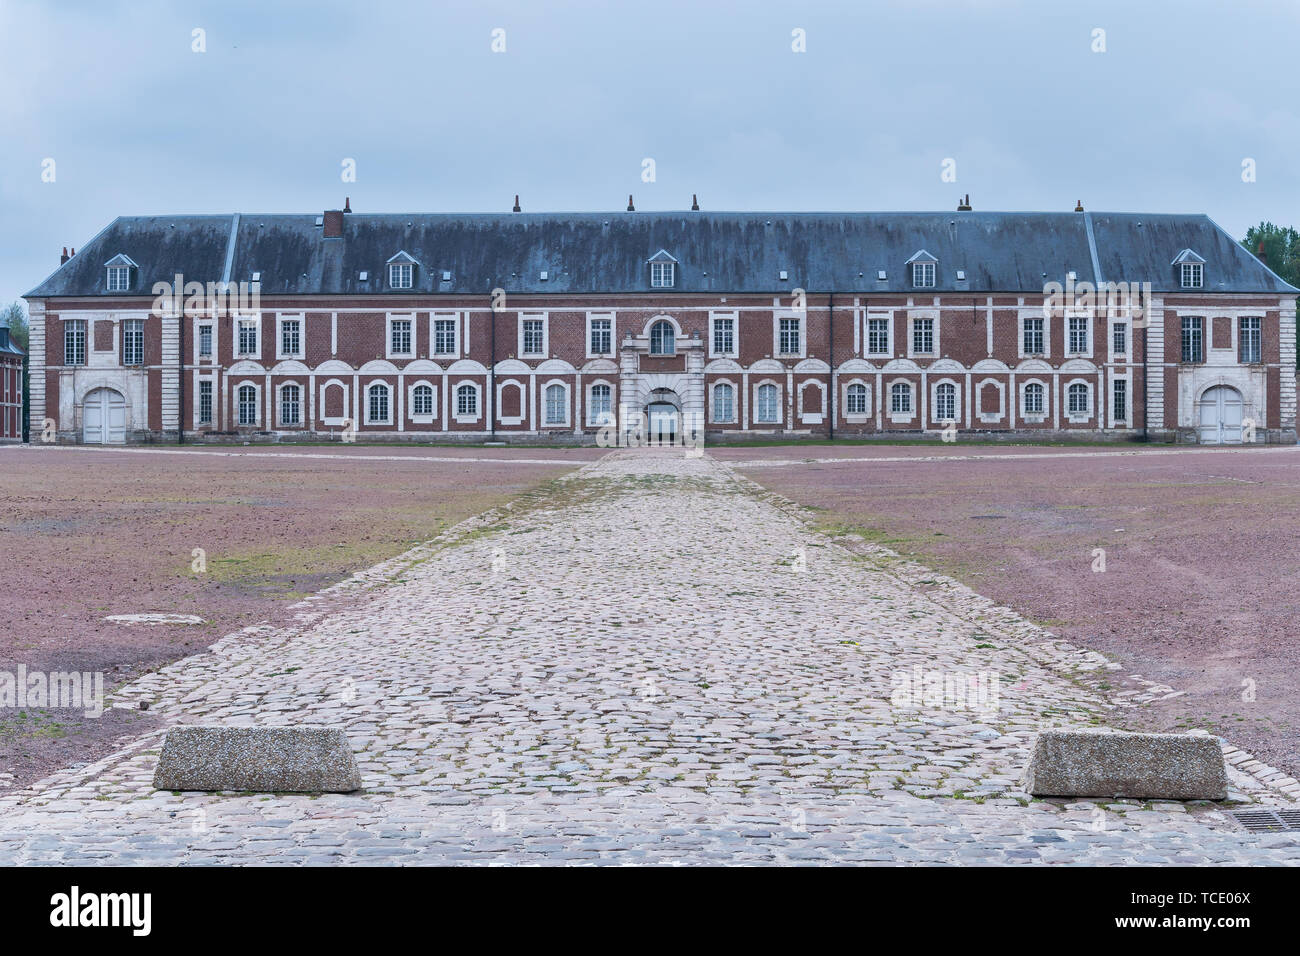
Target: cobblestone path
point(651, 662)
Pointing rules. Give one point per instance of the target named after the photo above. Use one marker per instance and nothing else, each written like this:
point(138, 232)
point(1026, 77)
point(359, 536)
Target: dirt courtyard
point(87, 533)
point(1201, 556)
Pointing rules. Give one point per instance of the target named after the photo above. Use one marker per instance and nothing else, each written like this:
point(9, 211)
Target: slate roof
point(719, 252)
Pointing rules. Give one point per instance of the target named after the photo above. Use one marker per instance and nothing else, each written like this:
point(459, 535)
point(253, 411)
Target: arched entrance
point(1220, 410)
point(663, 412)
point(103, 417)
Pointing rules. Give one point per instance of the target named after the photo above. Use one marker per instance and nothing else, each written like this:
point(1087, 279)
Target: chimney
point(516, 209)
point(1260, 254)
point(630, 207)
point(347, 204)
point(695, 203)
point(1078, 205)
point(333, 223)
point(64, 257)
point(964, 205)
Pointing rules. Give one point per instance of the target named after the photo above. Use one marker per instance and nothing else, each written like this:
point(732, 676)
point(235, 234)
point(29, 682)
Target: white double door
point(103, 416)
point(1221, 410)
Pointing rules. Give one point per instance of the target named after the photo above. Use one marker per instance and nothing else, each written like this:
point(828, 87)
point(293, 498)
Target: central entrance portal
point(664, 423)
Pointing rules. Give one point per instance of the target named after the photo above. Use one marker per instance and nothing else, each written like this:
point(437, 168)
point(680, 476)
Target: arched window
point(857, 403)
point(290, 405)
point(247, 396)
point(724, 403)
point(422, 401)
point(377, 404)
point(600, 410)
point(663, 340)
point(767, 404)
point(467, 400)
point(900, 398)
point(1033, 399)
point(557, 404)
point(945, 402)
point(1078, 399)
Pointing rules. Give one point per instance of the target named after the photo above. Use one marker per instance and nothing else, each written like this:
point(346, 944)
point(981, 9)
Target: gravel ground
point(1201, 557)
point(88, 533)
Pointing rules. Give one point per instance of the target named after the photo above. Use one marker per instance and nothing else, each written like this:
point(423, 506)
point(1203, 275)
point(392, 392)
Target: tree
point(1278, 247)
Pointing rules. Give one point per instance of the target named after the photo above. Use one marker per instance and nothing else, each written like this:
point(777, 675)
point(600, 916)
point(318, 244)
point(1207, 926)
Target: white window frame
point(663, 275)
point(389, 324)
point(544, 318)
point(321, 391)
point(592, 318)
point(255, 323)
point(464, 419)
point(888, 319)
point(547, 421)
point(401, 275)
point(366, 389)
point(74, 326)
point(912, 318)
point(1241, 339)
point(816, 415)
point(758, 387)
point(934, 402)
point(1125, 420)
point(592, 418)
point(733, 418)
point(422, 418)
point(864, 415)
point(1115, 325)
point(1035, 418)
point(257, 404)
point(199, 354)
point(798, 318)
point(671, 341)
point(733, 319)
point(1078, 417)
point(279, 404)
point(211, 383)
point(118, 279)
point(454, 319)
point(125, 339)
point(924, 274)
point(280, 321)
point(977, 396)
point(1191, 275)
point(1089, 325)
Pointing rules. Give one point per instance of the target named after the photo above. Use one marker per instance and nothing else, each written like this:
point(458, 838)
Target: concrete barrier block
point(1098, 763)
point(260, 759)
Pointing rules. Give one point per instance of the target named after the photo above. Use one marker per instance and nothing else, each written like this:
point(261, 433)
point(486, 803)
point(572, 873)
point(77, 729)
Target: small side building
point(11, 387)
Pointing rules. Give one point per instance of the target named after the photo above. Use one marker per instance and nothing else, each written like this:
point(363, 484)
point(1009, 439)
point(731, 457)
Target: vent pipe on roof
point(630, 207)
point(64, 257)
point(695, 203)
point(516, 209)
point(347, 204)
point(964, 205)
point(1078, 205)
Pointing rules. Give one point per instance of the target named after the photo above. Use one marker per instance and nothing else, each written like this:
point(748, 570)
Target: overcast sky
point(137, 123)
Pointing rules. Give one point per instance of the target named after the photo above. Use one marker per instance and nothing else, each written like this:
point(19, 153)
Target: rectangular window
point(1193, 338)
point(661, 275)
point(247, 337)
point(400, 337)
point(205, 341)
point(601, 337)
point(1078, 344)
point(724, 403)
point(877, 336)
point(789, 337)
point(133, 341)
point(400, 275)
point(444, 336)
point(724, 337)
point(923, 336)
point(923, 275)
point(119, 278)
point(466, 401)
point(290, 337)
point(1032, 333)
point(205, 402)
point(900, 398)
point(534, 338)
point(1193, 275)
point(1251, 340)
point(1119, 407)
point(1119, 339)
point(74, 342)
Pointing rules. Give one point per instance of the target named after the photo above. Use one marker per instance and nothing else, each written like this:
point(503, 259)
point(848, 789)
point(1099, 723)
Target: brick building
point(542, 326)
point(11, 387)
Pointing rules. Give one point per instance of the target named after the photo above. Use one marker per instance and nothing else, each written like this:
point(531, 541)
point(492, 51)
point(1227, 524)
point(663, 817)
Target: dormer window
point(119, 273)
point(1191, 269)
point(401, 271)
point(924, 267)
point(663, 270)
